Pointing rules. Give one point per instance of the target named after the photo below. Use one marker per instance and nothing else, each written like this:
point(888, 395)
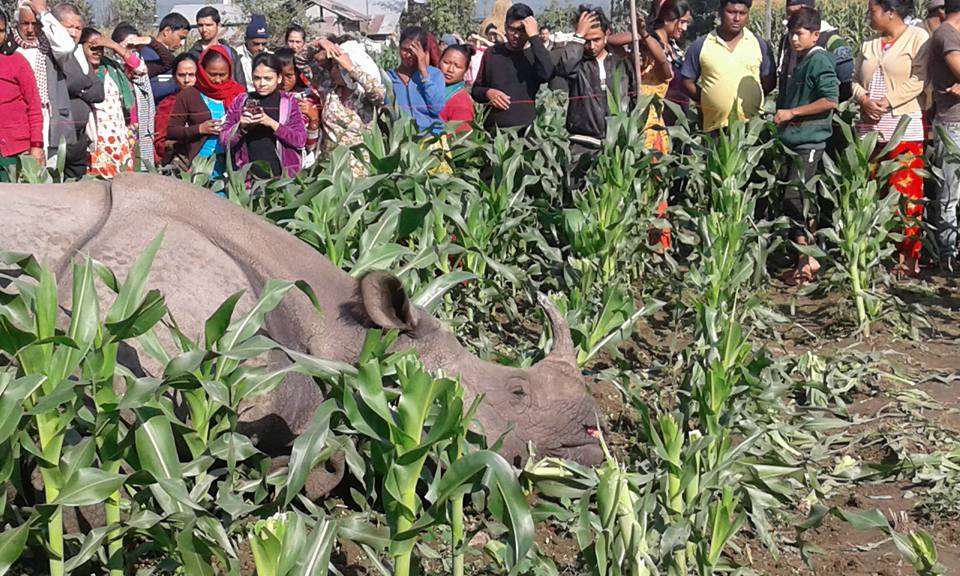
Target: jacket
point(588, 107)
point(815, 77)
point(84, 89)
point(904, 67)
point(518, 74)
point(183, 127)
point(159, 60)
point(21, 117)
point(422, 98)
point(291, 135)
point(459, 108)
point(830, 40)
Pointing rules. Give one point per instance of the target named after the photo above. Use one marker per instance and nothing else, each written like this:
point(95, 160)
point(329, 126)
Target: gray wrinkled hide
point(212, 249)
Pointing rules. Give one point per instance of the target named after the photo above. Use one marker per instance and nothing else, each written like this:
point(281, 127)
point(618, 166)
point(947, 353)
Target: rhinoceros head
point(547, 405)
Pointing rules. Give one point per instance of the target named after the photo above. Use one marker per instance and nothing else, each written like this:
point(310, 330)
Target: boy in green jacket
point(805, 122)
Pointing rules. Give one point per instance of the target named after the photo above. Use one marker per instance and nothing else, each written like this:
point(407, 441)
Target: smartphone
point(252, 105)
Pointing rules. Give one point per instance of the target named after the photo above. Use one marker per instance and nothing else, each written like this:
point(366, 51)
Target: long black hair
point(8, 47)
point(668, 11)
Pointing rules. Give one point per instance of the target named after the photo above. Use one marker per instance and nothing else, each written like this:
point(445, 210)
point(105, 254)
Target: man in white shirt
point(46, 52)
point(256, 40)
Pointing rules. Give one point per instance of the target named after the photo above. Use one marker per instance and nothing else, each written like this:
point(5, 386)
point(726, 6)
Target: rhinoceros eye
point(519, 392)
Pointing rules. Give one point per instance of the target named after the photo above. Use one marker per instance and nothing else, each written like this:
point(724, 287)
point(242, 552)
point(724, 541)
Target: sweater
point(518, 74)
point(19, 101)
point(183, 127)
point(815, 77)
point(291, 134)
point(459, 108)
point(904, 69)
point(422, 98)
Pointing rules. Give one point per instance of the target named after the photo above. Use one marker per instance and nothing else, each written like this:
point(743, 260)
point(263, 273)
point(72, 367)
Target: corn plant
point(863, 221)
point(404, 425)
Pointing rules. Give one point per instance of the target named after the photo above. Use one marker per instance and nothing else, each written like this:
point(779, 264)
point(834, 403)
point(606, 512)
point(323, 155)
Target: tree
point(139, 13)
point(279, 13)
point(558, 16)
point(442, 16)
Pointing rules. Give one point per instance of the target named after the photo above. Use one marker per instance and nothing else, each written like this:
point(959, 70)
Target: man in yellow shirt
point(729, 69)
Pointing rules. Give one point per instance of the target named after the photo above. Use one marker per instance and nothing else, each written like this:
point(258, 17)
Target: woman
point(350, 90)
point(888, 81)
point(194, 125)
point(418, 87)
point(19, 101)
point(142, 117)
point(673, 17)
point(266, 126)
point(458, 106)
point(112, 153)
point(185, 75)
point(295, 82)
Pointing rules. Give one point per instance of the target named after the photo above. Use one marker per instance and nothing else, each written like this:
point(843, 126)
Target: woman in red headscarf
point(198, 113)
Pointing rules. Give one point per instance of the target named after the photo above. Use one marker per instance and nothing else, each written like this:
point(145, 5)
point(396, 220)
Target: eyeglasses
point(515, 29)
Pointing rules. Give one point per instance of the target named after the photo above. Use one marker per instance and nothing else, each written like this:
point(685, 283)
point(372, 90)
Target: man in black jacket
point(593, 74)
point(510, 74)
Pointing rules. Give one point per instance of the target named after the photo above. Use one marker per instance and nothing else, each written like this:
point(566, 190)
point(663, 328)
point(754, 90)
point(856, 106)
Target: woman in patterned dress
point(887, 84)
point(351, 95)
point(112, 153)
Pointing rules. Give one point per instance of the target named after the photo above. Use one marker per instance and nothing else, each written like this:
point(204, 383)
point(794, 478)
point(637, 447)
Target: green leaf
point(131, 292)
point(91, 544)
point(431, 296)
point(12, 544)
point(142, 319)
point(216, 325)
point(306, 448)
point(89, 486)
point(315, 559)
point(864, 520)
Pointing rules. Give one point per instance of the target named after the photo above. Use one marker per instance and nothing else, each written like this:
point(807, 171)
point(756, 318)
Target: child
point(805, 127)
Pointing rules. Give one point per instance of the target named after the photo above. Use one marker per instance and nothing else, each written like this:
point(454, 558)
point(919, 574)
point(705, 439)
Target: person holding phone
point(198, 113)
point(265, 128)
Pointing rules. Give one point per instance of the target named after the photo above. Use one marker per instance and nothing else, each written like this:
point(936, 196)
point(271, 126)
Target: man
point(935, 16)
point(943, 73)
point(591, 73)
point(546, 37)
point(46, 56)
point(84, 90)
point(830, 40)
point(730, 69)
point(255, 41)
point(159, 54)
point(129, 38)
point(208, 26)
point(510, 75)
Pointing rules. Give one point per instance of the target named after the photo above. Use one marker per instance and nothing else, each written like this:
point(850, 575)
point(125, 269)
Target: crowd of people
point(114, 103)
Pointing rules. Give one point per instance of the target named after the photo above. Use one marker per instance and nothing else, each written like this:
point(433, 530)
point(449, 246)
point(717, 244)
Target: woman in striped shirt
point(888, 81)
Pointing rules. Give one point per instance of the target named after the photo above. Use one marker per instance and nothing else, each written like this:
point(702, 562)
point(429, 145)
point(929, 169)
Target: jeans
point(944, 205)
point(799, 204)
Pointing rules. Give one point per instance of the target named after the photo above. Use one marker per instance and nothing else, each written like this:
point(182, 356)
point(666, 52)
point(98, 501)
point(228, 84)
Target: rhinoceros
point(213, 248)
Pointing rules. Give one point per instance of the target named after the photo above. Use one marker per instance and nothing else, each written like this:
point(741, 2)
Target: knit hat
point(257, 28)
point(449, 40)
point(808, 3)
point(935, 4)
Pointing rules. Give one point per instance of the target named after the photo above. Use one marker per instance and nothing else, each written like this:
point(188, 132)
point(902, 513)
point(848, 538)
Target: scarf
point(224, 92)
point(146, 118)
point(39, 64)
point(452, 89)
point(115, 70)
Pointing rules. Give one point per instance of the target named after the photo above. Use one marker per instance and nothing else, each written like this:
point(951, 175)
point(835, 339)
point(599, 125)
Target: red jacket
point(459, 108)
point(161, 118)
point(21, 115)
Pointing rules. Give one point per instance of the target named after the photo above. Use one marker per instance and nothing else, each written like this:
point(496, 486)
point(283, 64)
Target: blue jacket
point(162, 85)
point(422, 98)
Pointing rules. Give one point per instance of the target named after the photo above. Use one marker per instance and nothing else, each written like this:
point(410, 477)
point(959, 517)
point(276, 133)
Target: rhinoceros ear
point(386, 302)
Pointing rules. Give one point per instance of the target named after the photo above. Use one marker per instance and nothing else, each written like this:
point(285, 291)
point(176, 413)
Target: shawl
point(39, 63)
point(225, 91)
point(146, 118)
point(452, 89)
point(115, 70)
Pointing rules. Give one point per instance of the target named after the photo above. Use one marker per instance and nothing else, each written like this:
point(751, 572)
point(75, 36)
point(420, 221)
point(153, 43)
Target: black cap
point(808, 3)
